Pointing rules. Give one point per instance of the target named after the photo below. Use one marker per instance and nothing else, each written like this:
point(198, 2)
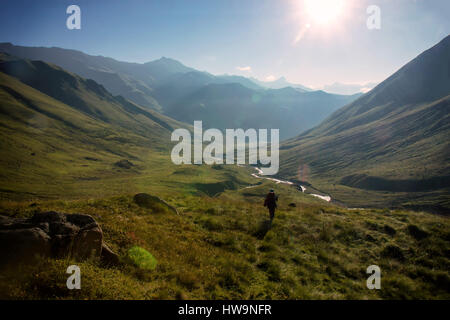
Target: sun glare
point(324, 11)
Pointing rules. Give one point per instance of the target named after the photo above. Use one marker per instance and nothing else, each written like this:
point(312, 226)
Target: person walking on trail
point(271, 203)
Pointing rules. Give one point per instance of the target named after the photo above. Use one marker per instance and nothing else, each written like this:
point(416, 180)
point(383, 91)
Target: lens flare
point(324, 11)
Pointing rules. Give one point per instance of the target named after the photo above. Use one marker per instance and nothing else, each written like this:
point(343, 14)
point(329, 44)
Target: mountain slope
point(132, 80)
point(70, 130)
point(235, 106)
point(83, 94)
point(166, 85)
point(392, 139)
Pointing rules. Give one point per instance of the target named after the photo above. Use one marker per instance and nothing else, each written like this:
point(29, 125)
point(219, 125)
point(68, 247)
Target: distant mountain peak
point(279, 83)
point(165, 59)
point(168, 65)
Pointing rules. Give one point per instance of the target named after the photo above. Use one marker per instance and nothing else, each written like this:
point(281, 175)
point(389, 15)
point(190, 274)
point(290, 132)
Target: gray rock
point(23, 245)
point(5, 220)
point(108, 256)
point(50, 217)
point(51, 234)
point(80, 220)
point(88, 243)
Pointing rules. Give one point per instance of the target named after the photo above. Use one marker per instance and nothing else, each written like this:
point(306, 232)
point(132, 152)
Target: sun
point(324, 12)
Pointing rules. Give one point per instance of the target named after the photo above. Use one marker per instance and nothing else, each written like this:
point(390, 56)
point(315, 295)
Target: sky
point(315, 43)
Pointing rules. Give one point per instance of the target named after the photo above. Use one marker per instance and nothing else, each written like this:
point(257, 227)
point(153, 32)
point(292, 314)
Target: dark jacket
point(271, 200)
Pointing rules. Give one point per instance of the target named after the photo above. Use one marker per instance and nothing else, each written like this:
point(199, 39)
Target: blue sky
point(247, 37)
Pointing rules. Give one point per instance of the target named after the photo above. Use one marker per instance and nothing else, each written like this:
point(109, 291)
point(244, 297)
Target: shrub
point(141, 258)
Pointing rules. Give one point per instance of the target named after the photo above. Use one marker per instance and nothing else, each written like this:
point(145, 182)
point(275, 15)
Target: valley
point(187, 95)
point(69, 145)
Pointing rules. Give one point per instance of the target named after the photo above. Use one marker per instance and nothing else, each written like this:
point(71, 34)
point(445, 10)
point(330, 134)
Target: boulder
point(23, 245)
point(50, 234)
point(88, 243)
point(154, 203)
point(108, 256)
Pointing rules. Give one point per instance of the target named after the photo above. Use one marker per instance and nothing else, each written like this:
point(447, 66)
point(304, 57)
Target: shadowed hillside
point(235, 106)
point(394, 138)
point(185, 94)
point(71, 130)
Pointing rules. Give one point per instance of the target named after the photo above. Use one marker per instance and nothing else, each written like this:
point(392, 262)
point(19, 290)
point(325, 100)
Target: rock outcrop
point(154, 203)
point(52, 234)
point(108, 256)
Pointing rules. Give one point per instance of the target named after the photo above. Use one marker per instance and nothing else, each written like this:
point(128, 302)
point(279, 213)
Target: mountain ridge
point(163, 84)
point(398, 131)
point(280, 83)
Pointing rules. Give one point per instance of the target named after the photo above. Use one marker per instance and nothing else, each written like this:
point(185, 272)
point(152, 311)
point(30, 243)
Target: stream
point(277, 181)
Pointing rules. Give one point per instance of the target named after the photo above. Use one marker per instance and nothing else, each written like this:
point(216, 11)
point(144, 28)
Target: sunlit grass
point(215, 248)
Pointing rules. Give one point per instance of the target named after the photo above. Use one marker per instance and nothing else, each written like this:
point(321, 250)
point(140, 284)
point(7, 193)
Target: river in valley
point(260, 172)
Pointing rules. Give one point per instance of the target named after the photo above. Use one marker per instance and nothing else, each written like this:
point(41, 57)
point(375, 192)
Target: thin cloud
point(270, 78)
point(248, 68)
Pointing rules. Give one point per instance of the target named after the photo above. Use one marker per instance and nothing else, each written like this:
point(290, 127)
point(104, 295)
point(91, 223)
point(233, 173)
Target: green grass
point(223, 248)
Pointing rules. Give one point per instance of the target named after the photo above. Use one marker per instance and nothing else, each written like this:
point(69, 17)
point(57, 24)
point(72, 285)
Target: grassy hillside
point(223, 247)
point(120, 78)
point(390, 147)
point(48, 145)
point(84, 95)
point(67, 157)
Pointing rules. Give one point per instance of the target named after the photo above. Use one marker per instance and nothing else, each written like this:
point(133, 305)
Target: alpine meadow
point(125, 167)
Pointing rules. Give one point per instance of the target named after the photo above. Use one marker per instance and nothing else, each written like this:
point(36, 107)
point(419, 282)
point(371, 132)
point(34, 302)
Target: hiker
point(271, 203)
